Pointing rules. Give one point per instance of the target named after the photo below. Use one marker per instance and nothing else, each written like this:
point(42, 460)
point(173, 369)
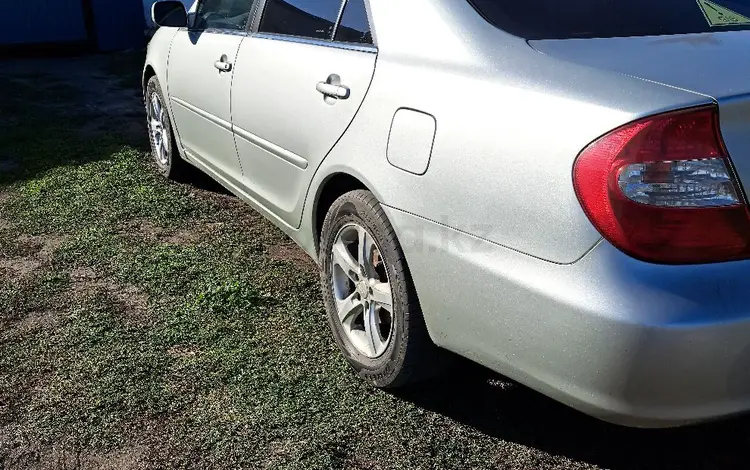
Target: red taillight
point(662, 190)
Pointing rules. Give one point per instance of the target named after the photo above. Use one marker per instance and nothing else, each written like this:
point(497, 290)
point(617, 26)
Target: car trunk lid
point(712, 64)
point(716, 65)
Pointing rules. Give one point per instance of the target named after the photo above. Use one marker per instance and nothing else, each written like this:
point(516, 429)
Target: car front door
point(299, 82)
point(202, 61)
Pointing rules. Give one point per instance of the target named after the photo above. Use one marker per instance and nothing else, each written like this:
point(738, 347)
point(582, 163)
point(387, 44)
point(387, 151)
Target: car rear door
point(202, 61)
point(299, 82)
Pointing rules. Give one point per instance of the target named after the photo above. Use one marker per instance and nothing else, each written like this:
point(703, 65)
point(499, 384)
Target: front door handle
point(334, 91)
point(223, 65)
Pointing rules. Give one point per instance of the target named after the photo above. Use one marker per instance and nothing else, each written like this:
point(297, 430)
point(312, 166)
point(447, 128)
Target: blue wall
point(118, 24)
point(42, 21)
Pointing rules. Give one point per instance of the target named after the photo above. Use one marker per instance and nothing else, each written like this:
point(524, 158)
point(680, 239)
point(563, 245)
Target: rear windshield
point(564, 19)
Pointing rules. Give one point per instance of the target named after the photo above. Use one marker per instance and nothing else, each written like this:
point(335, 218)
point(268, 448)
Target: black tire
point(174, 168)
point(411, 356)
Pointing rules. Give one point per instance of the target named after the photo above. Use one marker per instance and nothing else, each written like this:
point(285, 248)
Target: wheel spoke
point(164, 152)
point(372, 331)
point(366, 244)
point(348, 309)
point(345, 260)
point(165, 141)
point(381, 295)
point(156, 105)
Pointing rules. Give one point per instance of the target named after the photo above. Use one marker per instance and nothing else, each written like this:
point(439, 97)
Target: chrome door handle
point(223, 65)
point(335, 91)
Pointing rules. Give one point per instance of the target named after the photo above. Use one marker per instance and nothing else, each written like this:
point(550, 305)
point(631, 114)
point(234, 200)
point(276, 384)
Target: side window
point(223, 14)
point(354, 26)
point(308, 18)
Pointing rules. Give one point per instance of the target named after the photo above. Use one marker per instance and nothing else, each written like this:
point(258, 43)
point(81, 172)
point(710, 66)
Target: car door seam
point(354, 117)
point(166, 85)
point(231, 104)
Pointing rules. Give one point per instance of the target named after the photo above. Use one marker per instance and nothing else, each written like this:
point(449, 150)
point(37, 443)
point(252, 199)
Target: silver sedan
point(550, 189)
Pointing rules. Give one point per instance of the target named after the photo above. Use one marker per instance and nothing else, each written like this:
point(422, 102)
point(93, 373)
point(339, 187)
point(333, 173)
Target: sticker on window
point(717, 15)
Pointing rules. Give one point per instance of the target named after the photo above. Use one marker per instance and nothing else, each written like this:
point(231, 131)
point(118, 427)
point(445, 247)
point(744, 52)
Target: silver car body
point(467, 136)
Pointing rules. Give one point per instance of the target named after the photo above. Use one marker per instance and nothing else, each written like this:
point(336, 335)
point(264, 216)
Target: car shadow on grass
point(74, 111)
point(485, 401)
point(66, 112)
point(200, 180)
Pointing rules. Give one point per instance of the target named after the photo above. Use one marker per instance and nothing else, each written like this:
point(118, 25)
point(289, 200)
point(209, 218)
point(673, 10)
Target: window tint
point(354, 27)
point(308, 18)
point(223, 14)
point(555, 19)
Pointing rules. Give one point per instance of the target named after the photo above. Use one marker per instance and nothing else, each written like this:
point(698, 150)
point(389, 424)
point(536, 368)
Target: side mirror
point(169, 13)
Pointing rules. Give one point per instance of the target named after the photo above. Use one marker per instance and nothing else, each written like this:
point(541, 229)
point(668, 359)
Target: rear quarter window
point(354, 26)
point(556, 19)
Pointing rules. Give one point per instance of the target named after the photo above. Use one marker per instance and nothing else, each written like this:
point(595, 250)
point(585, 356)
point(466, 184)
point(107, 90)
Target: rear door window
point(307, 18)
point(556, 19)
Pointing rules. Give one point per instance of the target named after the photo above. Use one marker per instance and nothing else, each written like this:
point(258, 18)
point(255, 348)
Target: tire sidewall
point(153, 87)
point(380, 371)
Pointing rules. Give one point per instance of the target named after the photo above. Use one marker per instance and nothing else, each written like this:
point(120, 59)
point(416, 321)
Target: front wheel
point(163, 144)
point(371, 302)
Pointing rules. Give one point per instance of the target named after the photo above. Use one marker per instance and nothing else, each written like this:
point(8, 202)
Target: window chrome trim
point(260, 12)
point(228, 32)
point(256, 13)
point(336, 25)
point(319, 42)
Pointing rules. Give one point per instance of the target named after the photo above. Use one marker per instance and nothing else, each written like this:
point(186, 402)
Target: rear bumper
point(626, 341)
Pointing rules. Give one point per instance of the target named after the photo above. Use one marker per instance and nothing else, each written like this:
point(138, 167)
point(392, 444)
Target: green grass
point(153, 320)
point(145, 323)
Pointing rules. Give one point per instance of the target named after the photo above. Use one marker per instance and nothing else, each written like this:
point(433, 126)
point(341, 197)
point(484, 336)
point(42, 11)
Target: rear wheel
point(372, 306)
point(163, 144)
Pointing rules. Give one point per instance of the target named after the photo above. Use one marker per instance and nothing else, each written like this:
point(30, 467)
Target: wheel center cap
point(363, 290)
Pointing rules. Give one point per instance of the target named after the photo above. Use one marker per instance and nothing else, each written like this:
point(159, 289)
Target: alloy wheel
point(157, 125)
point(362, 291)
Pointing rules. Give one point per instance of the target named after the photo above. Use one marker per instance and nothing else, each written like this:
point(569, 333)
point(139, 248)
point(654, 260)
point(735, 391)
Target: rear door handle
point(335, 91)
point(223, 65)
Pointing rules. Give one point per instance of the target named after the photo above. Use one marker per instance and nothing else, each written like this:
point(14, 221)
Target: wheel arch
point(333, 187)
point(148, 72)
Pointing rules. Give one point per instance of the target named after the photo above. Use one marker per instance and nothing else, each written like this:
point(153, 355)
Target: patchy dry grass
point(147, 324)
